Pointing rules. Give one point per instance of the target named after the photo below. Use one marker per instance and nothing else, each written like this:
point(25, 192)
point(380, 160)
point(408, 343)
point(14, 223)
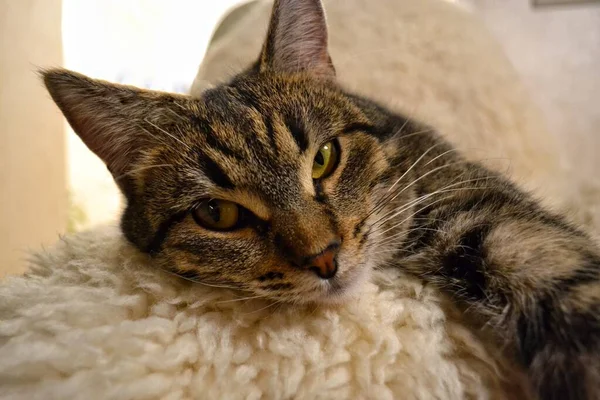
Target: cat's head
point(269, 183)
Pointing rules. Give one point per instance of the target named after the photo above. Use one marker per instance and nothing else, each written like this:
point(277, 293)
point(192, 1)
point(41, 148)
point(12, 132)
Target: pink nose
point(324, 264)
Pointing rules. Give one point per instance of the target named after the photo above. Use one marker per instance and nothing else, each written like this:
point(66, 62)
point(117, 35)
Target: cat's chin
point(338, 292)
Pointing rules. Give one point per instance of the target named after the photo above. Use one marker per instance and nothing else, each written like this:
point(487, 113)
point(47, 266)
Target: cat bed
point(93, 319)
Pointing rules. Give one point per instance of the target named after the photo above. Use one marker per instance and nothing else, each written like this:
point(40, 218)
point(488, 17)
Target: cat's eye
point(325, 161)
point(218, 215)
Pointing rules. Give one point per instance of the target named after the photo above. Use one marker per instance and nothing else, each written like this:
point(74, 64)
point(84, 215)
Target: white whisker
point(169, 134)
point(428, 205)
point(200, 282)
point(264, 308)
point(134, 171)
point(406, 219)
point(242, 299)
point(426, 196)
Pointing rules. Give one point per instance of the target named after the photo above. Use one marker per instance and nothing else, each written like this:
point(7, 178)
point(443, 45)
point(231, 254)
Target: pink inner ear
point(114, 146)
point(110, 137)
point(105, 116)
point(298, 36)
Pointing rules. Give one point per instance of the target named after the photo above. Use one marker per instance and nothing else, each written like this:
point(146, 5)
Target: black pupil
point(214, 211)
point(319, 159)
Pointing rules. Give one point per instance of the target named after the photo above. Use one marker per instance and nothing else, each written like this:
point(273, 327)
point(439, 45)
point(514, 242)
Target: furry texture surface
point(93, 319)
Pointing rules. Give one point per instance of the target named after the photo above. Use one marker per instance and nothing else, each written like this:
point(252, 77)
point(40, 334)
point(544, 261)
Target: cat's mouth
point(340, 289)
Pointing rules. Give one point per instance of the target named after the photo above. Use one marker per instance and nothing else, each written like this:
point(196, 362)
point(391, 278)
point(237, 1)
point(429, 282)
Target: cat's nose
point(324, 264)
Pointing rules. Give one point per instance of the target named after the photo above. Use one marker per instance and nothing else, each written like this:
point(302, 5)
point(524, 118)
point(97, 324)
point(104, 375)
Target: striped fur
point(400, 197)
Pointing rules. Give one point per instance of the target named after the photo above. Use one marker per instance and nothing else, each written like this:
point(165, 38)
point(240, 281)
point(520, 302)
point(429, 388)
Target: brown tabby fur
point(400, 197)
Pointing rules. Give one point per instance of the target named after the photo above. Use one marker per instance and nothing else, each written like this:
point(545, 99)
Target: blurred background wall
point(50, 183)
point(33, 176)
point(556, 50)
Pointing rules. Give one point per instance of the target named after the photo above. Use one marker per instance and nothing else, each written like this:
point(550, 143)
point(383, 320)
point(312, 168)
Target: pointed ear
point(297, 39)
point(116, 122)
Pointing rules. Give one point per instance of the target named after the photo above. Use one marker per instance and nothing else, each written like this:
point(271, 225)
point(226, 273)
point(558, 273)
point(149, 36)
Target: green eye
point(218, 215)
point(325, 161)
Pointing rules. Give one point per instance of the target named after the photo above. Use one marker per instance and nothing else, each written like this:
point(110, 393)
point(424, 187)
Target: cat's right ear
point(116, 122)
point(297, 40)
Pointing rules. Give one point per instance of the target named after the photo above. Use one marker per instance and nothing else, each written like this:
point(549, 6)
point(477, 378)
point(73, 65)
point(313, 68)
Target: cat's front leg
point(523, 272)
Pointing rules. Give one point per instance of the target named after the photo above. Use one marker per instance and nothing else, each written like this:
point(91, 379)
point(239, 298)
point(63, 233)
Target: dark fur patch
point(533, 325)
point(269, 276)
point(466, 263)
point(270, 132)
point(214, 172)
point(320, 195)
point(285, 250)
point(561, 375)
point(546, 324)
point(278, 286)
point(583, 327)
point(557, 222)
point(358, 228)
point(298, 131)
point(360, 127)
point(155, 244)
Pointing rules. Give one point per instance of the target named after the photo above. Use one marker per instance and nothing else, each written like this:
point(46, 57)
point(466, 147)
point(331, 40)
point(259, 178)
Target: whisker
point(200, 282)
point(404, 220)
point(424, 175)
point(386, 199)
point(425, 196)
point(428, 205)
point(264, 308)
point(413, 165)
point(168, 134)
point(242, 299)
point(134, 171)
point(415, 133)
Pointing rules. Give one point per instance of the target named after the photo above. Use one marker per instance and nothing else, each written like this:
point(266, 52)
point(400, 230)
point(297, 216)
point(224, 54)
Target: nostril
point(325, 273)
point(324, 265)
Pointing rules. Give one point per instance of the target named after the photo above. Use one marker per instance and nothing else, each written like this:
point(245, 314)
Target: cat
point(282, 184)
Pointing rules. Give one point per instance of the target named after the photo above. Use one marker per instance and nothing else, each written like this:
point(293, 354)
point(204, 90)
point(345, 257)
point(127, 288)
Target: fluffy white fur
point(94, 320)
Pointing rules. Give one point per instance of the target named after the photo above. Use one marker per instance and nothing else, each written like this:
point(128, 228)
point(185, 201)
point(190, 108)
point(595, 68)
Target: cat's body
point(281, 184)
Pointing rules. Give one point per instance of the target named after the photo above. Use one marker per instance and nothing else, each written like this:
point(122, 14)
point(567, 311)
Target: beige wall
point(33, 200)
point(557, 52)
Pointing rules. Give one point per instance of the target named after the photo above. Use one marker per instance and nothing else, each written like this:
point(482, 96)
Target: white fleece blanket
point(93, 319)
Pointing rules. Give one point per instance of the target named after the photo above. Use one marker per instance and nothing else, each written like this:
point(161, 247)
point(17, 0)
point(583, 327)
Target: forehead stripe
point(298, 131)
point(155, 244)
point(358, 127)
point(211, 138)
point(214, 172)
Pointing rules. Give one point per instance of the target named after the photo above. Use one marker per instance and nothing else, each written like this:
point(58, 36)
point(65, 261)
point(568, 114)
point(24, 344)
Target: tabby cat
point(282, 184)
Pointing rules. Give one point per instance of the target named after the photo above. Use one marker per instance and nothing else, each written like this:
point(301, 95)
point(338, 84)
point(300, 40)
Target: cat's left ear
point(297, 39)
point(118, 123)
